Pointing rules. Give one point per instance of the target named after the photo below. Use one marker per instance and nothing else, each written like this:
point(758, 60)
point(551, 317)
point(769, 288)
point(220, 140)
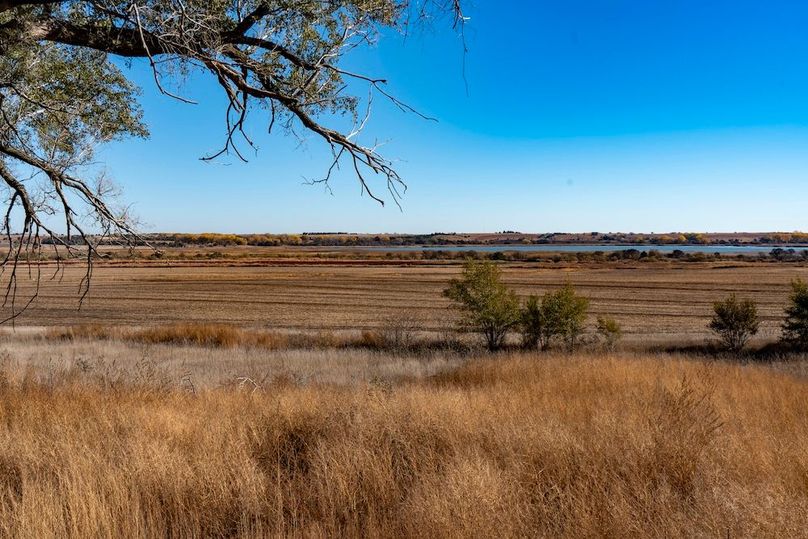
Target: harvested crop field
point(652, 302)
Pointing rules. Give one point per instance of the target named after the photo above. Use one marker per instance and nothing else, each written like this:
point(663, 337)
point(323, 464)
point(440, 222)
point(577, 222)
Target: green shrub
point(735, 322)
point(795, 327)
point(486, 304)
point(559, 314)
point(533, 324)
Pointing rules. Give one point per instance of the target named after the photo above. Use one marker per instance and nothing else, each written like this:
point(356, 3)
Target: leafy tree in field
point(610, 331)
point(534, 327)
point(795, 327)
point(62, 93)
point(486, 304)
point(735, 322)
point(569, 309)
point(559, 314)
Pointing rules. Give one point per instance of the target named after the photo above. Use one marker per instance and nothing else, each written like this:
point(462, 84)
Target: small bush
point(559, 314)
point(533, 325)
point(400, 330)
point(568, 311)
point(735, 322)
point(610, 331)
point(795, 327)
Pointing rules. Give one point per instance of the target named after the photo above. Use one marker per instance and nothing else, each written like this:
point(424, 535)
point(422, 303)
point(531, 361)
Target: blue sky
point(607, 115)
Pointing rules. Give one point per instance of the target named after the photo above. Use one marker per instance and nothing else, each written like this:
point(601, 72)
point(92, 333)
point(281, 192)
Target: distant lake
point(582, 248)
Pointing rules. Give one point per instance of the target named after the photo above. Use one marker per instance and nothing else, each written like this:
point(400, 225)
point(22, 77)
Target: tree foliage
point(62, 92)
point(486, 304)
point(536, 330)
point(559, 314)
point(735, 322)
point(795, 326)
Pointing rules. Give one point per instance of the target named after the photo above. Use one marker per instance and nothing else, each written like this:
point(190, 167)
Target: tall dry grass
point(644, 446)
point(115, 363)
point(395, 334)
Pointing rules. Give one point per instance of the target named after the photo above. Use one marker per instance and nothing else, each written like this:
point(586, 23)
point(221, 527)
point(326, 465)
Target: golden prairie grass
point(218, 336)
point(202, 334)
point(82, 331)
point(117, 362)
point(513, 446)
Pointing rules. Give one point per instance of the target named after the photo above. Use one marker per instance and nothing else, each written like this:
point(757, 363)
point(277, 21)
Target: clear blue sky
point(607, 115)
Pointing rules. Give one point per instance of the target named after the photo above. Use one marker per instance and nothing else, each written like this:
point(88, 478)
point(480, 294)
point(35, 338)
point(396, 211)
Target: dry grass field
point(653, 302)
point(310, 382)
point(626, 445)
point(257, 401)
point(116, 362)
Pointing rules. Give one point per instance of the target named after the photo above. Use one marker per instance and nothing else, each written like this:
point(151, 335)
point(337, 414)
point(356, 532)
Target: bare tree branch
point(60, 94)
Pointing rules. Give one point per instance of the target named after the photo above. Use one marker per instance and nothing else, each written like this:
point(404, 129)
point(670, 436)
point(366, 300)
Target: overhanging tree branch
point(60, 94)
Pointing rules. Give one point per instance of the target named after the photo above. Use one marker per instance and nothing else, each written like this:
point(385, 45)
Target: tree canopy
point(486, 304)
point(62, 92)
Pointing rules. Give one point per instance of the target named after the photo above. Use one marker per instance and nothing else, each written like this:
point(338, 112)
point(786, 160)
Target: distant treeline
point(339, 239)
point(305, 239)
point(625, 255)
point(777, 254)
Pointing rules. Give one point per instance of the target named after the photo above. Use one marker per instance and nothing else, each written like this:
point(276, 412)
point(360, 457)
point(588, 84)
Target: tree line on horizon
point(330, 239)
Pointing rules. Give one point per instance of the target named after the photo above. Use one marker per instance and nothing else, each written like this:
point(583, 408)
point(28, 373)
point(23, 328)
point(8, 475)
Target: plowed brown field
point(651, 302)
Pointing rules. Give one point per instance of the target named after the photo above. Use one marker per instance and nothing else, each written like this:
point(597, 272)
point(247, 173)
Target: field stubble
point(652, 303)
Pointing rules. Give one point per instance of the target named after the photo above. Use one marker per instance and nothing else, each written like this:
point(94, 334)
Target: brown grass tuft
point(80, 332)
point(191, 333)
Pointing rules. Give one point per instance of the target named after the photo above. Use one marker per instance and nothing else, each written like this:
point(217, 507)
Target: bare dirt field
point(653, 302)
